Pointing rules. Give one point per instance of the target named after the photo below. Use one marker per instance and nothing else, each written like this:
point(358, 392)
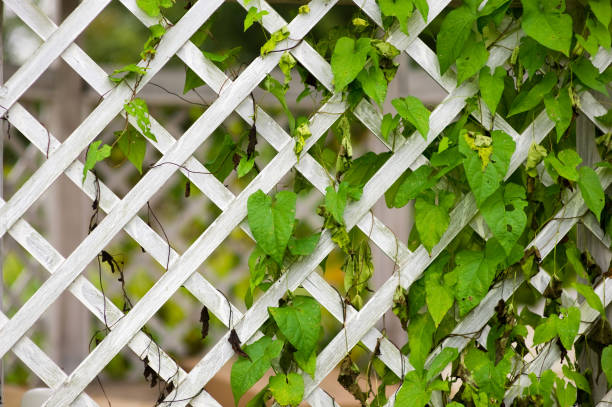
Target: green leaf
point(374, 83)
point(566, 395)
point(410, 186)
point(591, 190)
point(252, 16)
point(415, 112)
point(446, 356)
point(402, 9)
point(413, 392)
point(130, 71)
point(299, 322)
point(307, 363)
point(278, 90)
point(491, 86)
point(138, 108)
point(591, 298)
point(420, 340)
point(362, 169)
point(335, 201)
point(389, 125)
point(348, 59)
point(484, 182)
point(222, 164)
point(530, 98)
point(488, 376)
point(304, 9)
point(245, 372)
point(588, 74)
point(560, 111)
point(275, 38)
point(606, 118)
point(192, 81)
point(95, 153)
point(564, 165)
point(439, 297)
point(606, 363)
point(287, 390)
point(133, 146)
point(423, 8)
point(245, 166)
point(602, 10)
point(505, 215)
point(471, 60)
point(579, 380)
point(475, 272)
point(545, 22)
point(567, 328)
point(272, 223)
point(601, 35)
point(303, 246)
point(546, 331)
point(531, 55)
point(573, 258)
point(590, 44)
point(454, 32)
point(153, 7)
point(432, 216)
point(260, 398)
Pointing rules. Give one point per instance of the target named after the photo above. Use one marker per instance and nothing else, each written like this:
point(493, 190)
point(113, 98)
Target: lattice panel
point(182, 270)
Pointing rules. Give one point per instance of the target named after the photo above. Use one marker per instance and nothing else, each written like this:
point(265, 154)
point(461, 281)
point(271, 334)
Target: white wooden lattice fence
point(182, 269)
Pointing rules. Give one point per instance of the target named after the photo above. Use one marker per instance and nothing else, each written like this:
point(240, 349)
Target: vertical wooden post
point(69, 214)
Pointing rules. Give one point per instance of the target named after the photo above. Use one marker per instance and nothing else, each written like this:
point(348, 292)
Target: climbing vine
point(517, 59)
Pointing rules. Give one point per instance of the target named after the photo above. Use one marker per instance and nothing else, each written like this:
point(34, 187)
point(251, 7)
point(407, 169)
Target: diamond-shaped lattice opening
point(176, 327)
point(336, 23)
point(286, 101)
point(22, 276)
point(61, 215)
point(21, 160)
point(179, 212)
point(227, 269)
point(223, 33)
point(127, 36)
point(412, 79)
point(226, 153)
point(119, 171)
